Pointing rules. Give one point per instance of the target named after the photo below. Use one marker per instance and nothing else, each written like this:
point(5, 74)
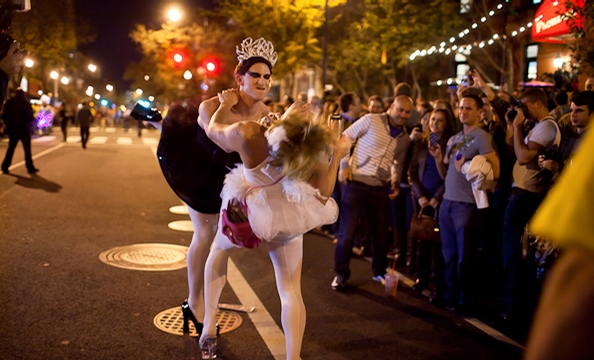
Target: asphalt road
point(59, 301)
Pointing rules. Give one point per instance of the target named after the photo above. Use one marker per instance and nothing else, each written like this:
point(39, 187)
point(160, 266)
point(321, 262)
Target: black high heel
point(188, 315)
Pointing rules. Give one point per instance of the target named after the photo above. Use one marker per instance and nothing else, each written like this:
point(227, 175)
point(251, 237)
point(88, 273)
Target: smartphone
point(433, 139)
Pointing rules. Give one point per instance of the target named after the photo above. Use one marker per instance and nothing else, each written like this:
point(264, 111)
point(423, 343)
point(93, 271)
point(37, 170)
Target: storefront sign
point(549, 25)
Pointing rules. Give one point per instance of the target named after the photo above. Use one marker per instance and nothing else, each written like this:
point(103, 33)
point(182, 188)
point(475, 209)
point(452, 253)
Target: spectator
point(458, 213)
point(404, 89)
point(378, 140)
point(582, 112)
point(302, 96)
point(427, 191)
point(562, 107)
point(530, 185)
point(63, 119)
point(589, 83)
point(375, 105)
point(18, 117)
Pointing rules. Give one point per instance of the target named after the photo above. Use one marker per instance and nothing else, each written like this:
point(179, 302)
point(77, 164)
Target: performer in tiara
point(294, 163)
point(195, 167)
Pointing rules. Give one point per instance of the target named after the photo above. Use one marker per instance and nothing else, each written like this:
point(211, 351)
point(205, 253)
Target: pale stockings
point(205, 227)
point(287, 259)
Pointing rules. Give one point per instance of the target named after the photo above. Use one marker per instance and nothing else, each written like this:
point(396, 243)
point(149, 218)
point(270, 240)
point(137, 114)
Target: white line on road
point(73, 139)
point(45, 152)
point(44, 139)
point(98, 140)
point(150, 141)
point(264, 323)
point(124, 141)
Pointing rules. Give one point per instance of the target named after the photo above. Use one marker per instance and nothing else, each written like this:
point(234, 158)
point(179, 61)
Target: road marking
point(124, 141)
point(44, 138)
point(264, 323)
point(36, 156)
point(73, 139)
point(98, 140)
point(150, 141)
point(110, 130)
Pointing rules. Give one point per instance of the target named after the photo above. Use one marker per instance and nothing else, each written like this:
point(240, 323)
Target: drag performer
point(296, 164)
point(195, 167)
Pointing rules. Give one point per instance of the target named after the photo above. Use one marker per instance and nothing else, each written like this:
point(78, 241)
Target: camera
point(467, 81)
point(142, 111)
point(511, 115)
point(7, 10)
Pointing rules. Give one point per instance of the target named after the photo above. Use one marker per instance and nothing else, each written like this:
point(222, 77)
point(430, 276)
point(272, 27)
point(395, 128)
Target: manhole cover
point(179, 209)
point(172, 321)
point(146, 257)
point(181, 225)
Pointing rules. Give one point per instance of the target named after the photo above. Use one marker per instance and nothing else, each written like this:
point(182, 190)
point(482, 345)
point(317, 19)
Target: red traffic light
point(212, 66)
point(177, 58)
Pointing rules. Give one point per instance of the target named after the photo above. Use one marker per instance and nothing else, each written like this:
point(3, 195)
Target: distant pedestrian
point(84, 118)
point(63, 119)
point(18, 117)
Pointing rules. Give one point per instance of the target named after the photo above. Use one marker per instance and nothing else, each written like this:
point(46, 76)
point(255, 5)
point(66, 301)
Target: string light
point(461, 34)
point(468, 47)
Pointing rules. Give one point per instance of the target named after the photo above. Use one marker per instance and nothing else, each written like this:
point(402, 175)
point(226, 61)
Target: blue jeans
point(458, 224)
point(520, 208)
point(363, 201)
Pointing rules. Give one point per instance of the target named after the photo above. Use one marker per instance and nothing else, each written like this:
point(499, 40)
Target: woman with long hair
point(427, 190)
point(295, 164)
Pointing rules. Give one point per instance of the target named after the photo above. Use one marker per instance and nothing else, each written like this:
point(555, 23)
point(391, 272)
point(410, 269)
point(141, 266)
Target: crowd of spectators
point(481, 162)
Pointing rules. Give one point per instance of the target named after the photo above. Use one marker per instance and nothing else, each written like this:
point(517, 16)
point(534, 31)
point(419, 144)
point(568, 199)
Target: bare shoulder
point(206, 109)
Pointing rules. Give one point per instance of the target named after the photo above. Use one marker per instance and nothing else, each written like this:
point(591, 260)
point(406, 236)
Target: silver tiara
point(260, 47)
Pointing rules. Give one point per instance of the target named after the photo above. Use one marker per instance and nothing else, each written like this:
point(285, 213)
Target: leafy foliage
point(580, 19)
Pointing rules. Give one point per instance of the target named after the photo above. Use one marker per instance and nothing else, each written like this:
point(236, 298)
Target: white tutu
point(282, 211)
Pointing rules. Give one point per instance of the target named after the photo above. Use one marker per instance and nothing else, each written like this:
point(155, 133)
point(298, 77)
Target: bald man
point(380, 144)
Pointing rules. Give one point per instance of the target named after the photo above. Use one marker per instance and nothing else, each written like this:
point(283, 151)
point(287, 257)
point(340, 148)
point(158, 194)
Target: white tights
point(287, 259)
point(205, 228)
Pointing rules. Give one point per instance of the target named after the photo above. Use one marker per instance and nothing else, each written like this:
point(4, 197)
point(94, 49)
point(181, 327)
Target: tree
point(581, 22)
point(395, 27)
point(50, 34)
point(196, 43)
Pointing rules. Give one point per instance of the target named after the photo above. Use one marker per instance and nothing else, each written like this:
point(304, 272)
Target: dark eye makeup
point(257, 75)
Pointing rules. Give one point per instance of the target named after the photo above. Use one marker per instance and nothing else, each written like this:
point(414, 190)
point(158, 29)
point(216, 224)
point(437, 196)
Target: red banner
point(549, 25)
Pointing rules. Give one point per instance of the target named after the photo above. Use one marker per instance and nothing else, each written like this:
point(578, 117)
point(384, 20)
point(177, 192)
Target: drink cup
point(391, 285)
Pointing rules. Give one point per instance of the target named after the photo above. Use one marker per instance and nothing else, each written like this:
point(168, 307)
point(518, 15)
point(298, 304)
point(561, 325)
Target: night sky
point(113, 20)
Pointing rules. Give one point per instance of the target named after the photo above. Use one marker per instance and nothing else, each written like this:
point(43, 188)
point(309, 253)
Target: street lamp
point(139, 91)
point(90, 91)
point(65, 80)
point(29, 63)
point(558, 62)
point(92, 67)
point(109, 87)
point(188, 75)
point(174, 14)
point(54, 75)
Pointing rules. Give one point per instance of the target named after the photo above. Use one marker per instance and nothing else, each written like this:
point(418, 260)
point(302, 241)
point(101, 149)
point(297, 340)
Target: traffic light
point(177, 58)
point(212, 66)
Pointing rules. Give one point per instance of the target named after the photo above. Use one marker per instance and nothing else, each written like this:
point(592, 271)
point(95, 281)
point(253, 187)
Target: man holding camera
point(530, 185)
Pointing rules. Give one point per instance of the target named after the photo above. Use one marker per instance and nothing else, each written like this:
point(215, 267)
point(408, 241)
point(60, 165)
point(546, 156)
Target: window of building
point(530, 63)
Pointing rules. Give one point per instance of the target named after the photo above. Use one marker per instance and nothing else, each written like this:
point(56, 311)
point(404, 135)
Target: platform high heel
point(208, 347)
point(188, 315)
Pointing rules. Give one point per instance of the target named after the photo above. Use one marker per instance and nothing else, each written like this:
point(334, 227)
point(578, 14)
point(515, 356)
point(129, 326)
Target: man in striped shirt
point(380, 145)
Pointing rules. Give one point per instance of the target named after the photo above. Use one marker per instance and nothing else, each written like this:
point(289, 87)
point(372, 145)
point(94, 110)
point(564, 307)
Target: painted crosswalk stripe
point(150, 141)
point(124, 141)
point(98, 140)
point(73, 139)
point(44, 138)
point(110, 130)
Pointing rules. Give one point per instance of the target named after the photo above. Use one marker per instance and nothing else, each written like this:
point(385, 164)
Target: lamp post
point(54, 75)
